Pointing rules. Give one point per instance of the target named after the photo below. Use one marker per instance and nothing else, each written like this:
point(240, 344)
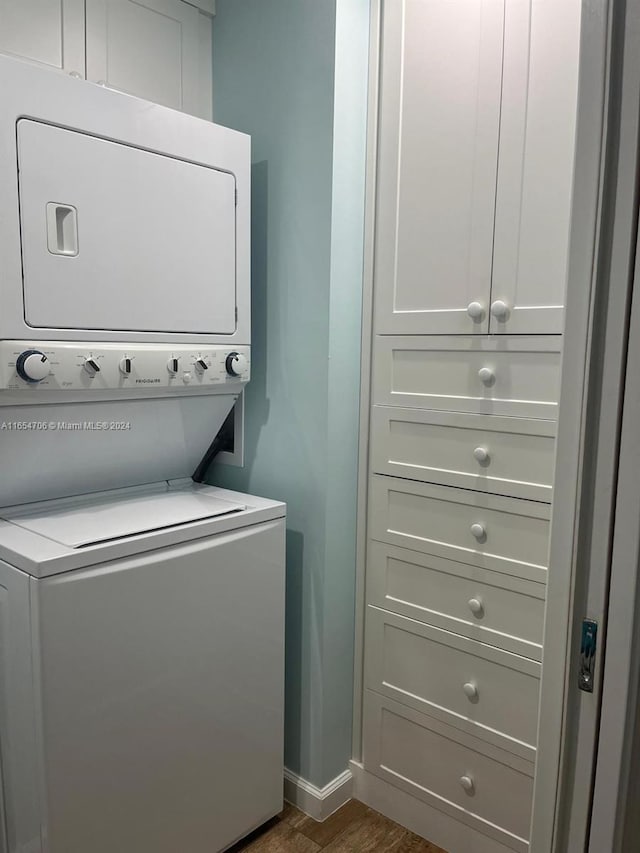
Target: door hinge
point(588, 643)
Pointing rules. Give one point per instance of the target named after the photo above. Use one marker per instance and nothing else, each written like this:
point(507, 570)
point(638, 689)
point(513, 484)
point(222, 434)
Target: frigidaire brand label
point(139, 381)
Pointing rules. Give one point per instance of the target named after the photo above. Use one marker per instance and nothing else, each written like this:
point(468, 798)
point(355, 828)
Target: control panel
point(32, 366)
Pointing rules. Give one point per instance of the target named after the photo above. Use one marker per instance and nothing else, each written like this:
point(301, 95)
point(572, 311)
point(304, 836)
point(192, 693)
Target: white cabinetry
point(150, 49)
point(49, 32)
point(473, 180)
point(476, 137)
point(535, 166)
point(439, 124)
point(159, 50)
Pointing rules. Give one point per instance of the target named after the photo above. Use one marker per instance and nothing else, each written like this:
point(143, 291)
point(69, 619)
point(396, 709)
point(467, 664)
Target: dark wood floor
point(352, 829)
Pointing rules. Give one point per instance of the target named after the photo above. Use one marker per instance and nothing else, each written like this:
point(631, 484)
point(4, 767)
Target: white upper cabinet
point(156, 49)
point(535, 165)
point(49, 32)
point(474, 165)
point(147, 48)
point(438, 140)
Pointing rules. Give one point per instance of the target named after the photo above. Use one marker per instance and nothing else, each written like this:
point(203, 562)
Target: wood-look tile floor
point(352, 829)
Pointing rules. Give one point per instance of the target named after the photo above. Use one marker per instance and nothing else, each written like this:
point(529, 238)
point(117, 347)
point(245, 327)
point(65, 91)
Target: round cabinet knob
point(486, 375)
point(476, 606)
point(32, 365)
point(500, 310)
point(467, 784)
point(476, 311)
point(236, 364)
point(481, 454)
point(478, 530)
point(470, 691)
point(125, 366)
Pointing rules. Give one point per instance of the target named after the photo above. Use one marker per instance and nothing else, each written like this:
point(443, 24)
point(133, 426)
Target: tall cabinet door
point(537, 137)
point(147, 48)
point(49, 32)
point(437, 160)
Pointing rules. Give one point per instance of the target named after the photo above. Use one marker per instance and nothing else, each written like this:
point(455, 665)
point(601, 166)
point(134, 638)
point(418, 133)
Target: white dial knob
point(173, 365)
point(32, 365)
point(125, 365)
point(475, 310)
point(486, 375)
point(481, 454)
point(201, 365)
point(478, 530)
point(236, 364)
point(467, 784)
point(470, 691)
point(499, 310)
point(476, 606)
point(91, 366)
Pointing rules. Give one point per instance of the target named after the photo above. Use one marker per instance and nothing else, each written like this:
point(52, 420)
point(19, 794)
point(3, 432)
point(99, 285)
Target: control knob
point(32, 365)
point(236, 364)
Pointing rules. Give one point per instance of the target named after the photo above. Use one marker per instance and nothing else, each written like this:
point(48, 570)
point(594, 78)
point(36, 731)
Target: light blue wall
point(292, 73)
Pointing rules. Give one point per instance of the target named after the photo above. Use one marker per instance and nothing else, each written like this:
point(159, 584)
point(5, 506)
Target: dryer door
point(119, 238)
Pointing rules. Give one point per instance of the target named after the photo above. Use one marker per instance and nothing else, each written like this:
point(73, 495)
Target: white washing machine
point(141, 613)
point(142, 670)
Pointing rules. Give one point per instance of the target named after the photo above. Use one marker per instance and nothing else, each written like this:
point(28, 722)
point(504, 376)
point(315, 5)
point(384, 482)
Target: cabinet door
point(438, 144)
point(148, 48)
point(535, 166)
point(49, 32)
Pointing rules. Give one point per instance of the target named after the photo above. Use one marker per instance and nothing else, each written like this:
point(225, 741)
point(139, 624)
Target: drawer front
point(501, 534)
point(428, 759)
point(458, 597)
point(505, 456)
point(487, 692)
point(517, 376)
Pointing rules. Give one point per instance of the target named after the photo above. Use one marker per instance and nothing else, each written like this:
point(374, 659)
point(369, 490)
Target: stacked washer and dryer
point(141, 613)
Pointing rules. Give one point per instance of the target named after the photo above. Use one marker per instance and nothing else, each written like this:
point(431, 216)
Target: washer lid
point(79, 525)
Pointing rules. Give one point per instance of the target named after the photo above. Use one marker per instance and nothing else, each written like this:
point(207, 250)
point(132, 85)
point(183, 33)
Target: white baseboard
point(318, 803)
point(418, 816)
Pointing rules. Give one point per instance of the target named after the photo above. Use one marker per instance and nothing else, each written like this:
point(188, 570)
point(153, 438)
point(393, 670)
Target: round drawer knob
point(478, 530)
point(467, 784)
point(476, 311)
point(481, 454)
point(476, 606)
point(487, 376)
point(499, 310)
point(470, 691)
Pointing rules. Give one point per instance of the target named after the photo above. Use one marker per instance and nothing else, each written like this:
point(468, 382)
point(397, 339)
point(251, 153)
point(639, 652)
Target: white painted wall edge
point(318, 803)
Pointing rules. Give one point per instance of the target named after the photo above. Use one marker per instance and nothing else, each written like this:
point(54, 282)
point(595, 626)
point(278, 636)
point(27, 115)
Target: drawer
point(505, 535)
point(487, 692)
point(505, 456)
point(428, 759)
point(432, 372)
point(498, 610)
